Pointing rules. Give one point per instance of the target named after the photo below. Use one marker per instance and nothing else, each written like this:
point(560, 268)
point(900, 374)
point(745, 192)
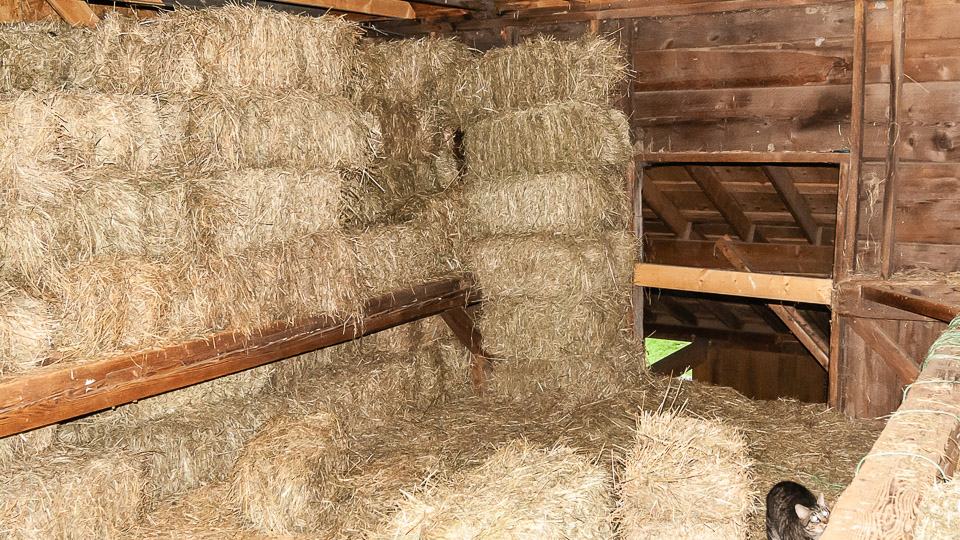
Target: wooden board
point(801, 259)
point(908, 457)
point(60, 393)
point(727, 282)
point(764, 374)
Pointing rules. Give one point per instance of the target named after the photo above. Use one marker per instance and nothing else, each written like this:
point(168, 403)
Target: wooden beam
point(916, 449)
point(888, 236)
point(728, 282)
point(62, 392)
point(75, 12)
point(680, 361)
point(676, 310)
point(462, 325)
point(634, 183)
point(914, 303)
point(720, 311)
point(892, 354)
point(794, 201)
point(728, 207)
point(789, 315)
point(395, 9)
point(745, 157)
point(669, 213)
point(768, 341)
point(799, 259)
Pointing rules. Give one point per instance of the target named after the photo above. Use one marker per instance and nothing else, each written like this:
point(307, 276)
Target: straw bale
point(413, 71)
point(409, 134)
point(69, 129)
point(234, 210)
point(557, 137)
point(712, 496)
point(41, 56)
point(27, 329)
point(938, 517)
point(293, 130)
point(279, 478)
point(548, 266)
point(107, 304)
point(572, 204)
point(520, 492)
point(539, 71)
point(229, 47)
point(549, 330)
point(77, 494)
point(26, 446)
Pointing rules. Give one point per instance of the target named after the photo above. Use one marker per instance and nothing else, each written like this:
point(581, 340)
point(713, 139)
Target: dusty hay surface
point(512, 78)
point(229, 47)
point(25, 447)
point(293, 130)
point(521, 491)
point(556, 137)
point(27, 329)
point(572, 204)
point(412, 71)
point(924, 274)
point(279, 478)
point(71, 494)
point(549, 266)
point(41, 56)
point(685, 478)
point(938, 517)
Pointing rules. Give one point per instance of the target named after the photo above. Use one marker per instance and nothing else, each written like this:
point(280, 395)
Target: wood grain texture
point(891, 353)
point(75, 12)
point(937, 301)
point(59, 393)
point(815, 261)
point(727, 282)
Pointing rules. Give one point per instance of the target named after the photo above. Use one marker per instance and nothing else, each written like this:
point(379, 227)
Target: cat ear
point(802, 512)
point(820, 501)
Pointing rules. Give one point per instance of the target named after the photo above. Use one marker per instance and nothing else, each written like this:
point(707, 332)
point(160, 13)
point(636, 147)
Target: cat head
point(813, 520)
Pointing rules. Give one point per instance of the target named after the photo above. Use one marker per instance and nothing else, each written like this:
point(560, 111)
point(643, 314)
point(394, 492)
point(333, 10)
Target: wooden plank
point(849, 301)
point(676, 310)
point(915, 450)
point(799, 259)
point(765, 341)
point(397, 9)
point(60, 393)
point(75, 12)
point(794, 201)
point(746, 134)
point(728, 207)
point(680, 361)
point(804, 104)
point(722, 313)
point(481, 363)
point(727, 282)
point(889, 351)
point(635, 183)
point(914, 302)
point(744, 157)
point(668, 213)
point(849, 187)
point(888, 237)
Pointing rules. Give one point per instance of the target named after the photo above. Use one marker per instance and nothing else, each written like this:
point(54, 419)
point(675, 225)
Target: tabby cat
point(793, 513)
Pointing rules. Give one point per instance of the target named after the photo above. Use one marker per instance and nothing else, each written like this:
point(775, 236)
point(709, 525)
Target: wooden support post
point(917, 448)
point(686, 358)
point(75, 12)
point(888, 256)
point(791, 317)
point(766, 286)
point(888, 349)
point(794, 201)
point(635, 172)
point(462, 325)
point(669, 213)
point(728, 207)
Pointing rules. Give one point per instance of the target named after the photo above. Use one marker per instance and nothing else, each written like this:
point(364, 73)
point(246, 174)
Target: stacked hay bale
point(685, 478)
point(546, 214)
point(938, 517)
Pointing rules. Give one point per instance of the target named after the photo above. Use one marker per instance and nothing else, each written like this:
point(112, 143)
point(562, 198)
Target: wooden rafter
point(913, 301)
point(680, 361)
point(798, 325)
point(668, 212)
point(728, 207)
point(724, 315)
point(677, 311)
point(75, 12)
point(794, 201)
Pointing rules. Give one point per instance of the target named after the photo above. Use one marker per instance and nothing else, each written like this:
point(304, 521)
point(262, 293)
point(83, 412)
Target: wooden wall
point(764, 374)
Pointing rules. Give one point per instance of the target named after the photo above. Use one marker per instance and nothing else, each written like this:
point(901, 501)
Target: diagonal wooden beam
point(676, 310)
point(791, 317)
point(909, 301)
point(888, 349)
point(794, 201)
point(686, 358)
point(75, 12)
point(722, 313)
point(668, 212)
point(728, 207)
point(463, 326)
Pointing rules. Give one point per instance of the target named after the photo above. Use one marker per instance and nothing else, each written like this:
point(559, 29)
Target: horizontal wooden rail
point(914, 301)
point(749, 284)
point(916, 448)
point(59, 393)
point(745, 157)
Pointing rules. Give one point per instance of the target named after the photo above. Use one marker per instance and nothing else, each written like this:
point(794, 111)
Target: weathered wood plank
point(891, 353)
point(807, 134)
point(914, 450)
point(462, 325)
point(743, 157)
point(752, 285)
point(728, 207)
point(916, 299)
point(668, 213)
point(807, 104)
point(75, 12)
point(798, 259)
point(794, 201)
point(60, 393)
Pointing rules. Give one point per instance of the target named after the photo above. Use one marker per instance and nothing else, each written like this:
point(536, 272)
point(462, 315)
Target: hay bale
point(293, 130)
point(278, 481)
point(41, 56)
point(235, 210)
point(572, 204)
point(712, 496)
point(548, 266)
point(520, 492)
point(938, 517)
point(409, 134)
point(26, 446)
point(566, 137)
point(230, 47)
point(539, 71)
point(414, 71)
point(70, 129)
point(27, 328)
point(108, 304)
point(76, 494)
